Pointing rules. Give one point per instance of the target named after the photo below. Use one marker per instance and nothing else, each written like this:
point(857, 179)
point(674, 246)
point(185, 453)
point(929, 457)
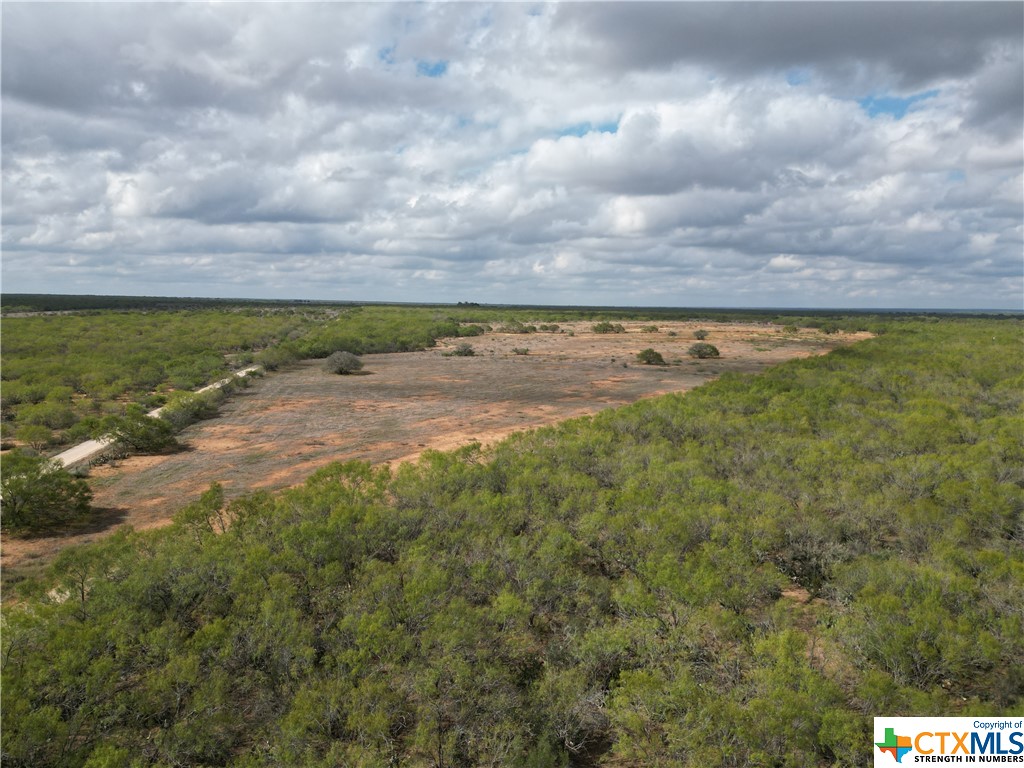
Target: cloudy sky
point(810, 154)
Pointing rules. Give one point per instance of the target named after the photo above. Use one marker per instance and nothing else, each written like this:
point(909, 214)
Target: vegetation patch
point(650, 357)
point(611, 590)
point(461, 350)
point(607, 327)
point(342, 363)
point(37, 493)
point(703, 350)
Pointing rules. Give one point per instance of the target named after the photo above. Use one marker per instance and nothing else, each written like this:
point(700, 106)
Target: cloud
point(910, 43)
point(786, 262)
point(666, 153)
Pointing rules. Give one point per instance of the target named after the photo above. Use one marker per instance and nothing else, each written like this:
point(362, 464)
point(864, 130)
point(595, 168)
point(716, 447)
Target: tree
point(35, 435)
point(343, 363)
point(36, 491)
point(703, 350)
point(700, 334)
point(650, 357)
point(140, 433)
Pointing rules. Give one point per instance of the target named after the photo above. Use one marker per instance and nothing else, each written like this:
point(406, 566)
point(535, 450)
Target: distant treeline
point(44, 302)
point(743, 575)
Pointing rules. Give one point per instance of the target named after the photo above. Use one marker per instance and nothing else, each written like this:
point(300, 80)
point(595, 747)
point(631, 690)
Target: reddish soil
point(292, 422)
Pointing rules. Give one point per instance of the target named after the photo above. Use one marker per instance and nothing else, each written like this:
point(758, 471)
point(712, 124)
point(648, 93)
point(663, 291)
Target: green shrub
point(516, 326)
point(462, 350)
point(700, 334)
point(48, 414)
point(189, 407)
point(36, 492)
point(606, 327)
point(343, 363)
point(139, 433)
point(703, 350)
point(650, 357)
point(274, 357)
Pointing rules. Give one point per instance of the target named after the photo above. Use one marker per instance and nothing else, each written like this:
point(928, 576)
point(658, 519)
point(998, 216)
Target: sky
point(808, 154)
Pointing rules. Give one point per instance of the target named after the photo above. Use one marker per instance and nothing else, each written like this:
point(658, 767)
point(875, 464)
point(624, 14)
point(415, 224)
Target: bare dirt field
point(292, 422)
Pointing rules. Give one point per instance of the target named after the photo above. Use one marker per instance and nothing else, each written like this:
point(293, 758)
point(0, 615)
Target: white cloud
point(579, 153)
point(786, 262)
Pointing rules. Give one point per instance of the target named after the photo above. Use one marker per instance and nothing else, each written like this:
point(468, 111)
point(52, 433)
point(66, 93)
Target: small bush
point(649, 329)
point(189, 407)
point(515, 326)
point(703, 351)
point(520, 351)
point(606, 327)
point(650, 357)
point(343, 363)
point(274, 357)
point(700, 334)
point(462, 350)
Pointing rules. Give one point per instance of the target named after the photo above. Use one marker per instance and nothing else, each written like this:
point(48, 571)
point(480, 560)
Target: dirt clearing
point(292, 422)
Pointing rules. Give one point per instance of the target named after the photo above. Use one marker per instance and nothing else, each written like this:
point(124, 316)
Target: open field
point(287, 425)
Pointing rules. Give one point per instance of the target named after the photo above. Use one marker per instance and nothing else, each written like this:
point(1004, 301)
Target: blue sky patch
point(432, 68)
point(798, 76)
point(896, 106)
point(582, 129)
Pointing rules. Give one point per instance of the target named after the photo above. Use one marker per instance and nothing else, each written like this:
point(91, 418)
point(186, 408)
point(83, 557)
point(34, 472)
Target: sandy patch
point(290, 423)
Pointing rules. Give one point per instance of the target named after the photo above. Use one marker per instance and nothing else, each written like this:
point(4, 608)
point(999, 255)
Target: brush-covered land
point(71, 363)
point(743, 575)
point(63, 372)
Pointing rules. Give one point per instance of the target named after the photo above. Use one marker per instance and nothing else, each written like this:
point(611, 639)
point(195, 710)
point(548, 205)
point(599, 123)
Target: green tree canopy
point(703, 350)
point(650, 357)
point(36, 492)
point(139, 433)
